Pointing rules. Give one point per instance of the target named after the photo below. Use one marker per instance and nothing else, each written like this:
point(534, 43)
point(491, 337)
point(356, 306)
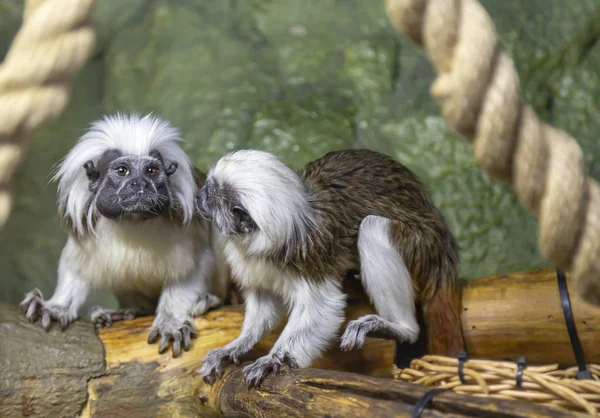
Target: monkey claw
point(104, 317)
point(375, 326)
point(256, 372)
point(36, 307)
point(216, 359)
point(178, 334)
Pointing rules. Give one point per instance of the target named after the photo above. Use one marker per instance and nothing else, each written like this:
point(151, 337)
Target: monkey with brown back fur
point(291, 237)
point(127, 193)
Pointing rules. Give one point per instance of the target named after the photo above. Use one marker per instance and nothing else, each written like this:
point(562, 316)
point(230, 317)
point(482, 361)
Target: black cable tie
point(462, 358)
point(565, 301)
point(416, 413)
point(521, 364)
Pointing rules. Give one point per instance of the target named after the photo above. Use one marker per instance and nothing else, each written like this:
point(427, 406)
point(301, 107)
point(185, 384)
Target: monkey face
point(219, 204)
point(130, 186)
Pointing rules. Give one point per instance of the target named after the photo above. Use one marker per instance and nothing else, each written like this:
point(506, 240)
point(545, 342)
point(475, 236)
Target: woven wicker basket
point(546, 385)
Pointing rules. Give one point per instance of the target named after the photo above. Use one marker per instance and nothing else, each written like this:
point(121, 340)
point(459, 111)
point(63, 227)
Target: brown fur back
point(346, 186)
point(352, 184)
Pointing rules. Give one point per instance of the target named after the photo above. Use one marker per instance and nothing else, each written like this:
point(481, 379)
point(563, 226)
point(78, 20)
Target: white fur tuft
point(130, 134)
point(271, 192)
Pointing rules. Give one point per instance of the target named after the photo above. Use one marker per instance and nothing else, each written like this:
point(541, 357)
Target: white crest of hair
point(132, 135)
point(271, 192)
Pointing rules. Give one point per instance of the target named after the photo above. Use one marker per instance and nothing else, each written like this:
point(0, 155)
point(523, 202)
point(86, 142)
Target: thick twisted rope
point(55, 41)
point(478, 88)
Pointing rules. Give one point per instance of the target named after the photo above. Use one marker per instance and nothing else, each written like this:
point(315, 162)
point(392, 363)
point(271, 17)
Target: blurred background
point(300, 78)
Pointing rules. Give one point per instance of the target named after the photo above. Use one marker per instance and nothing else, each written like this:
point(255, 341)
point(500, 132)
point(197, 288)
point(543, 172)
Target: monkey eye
point(237, 211)
point(122, 170)
point(152, 171)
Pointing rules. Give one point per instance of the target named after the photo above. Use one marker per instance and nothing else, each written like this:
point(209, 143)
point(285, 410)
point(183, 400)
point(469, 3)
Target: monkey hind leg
point(131, 305)
point(389, 286)
point(205, 303)
point(104, 317)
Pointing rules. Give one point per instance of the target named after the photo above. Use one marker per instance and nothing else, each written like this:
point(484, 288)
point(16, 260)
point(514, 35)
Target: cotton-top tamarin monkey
point(291, 237)
point(127, 194)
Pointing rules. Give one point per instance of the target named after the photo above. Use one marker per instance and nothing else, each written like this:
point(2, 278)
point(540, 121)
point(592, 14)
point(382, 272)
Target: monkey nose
point(138, 186)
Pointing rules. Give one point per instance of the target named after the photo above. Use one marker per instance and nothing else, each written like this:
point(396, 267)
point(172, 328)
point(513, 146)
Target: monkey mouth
point(144, 205)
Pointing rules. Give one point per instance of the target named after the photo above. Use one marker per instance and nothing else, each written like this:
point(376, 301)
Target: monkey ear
point(244, 220)
point(172, 169)
point(92, 174)
point(91, 171)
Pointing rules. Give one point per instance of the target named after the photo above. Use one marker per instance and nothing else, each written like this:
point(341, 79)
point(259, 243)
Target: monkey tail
point(442, 309)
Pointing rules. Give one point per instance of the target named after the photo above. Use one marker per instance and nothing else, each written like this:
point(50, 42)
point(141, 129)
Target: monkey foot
point(103, 317)
point(205, 303)
point(218, 358)
point(255, 373)
point(375, 326)
point(178, 333)
point(34, 306)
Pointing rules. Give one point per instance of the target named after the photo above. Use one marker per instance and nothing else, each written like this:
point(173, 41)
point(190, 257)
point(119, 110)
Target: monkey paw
point(103, 317)
point(205, 303)
point(34, 306)
point(174, 331)
point(218, 358)
point(256, 372)
point(375, 326)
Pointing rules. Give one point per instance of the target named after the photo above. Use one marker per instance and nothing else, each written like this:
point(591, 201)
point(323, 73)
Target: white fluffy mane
point(270, 191)
point(130, 134)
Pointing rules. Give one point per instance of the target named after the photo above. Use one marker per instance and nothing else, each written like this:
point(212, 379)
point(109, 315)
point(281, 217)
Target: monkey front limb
point(179, 303)
point(316, 314)
point(63, 307)
point(262, 312)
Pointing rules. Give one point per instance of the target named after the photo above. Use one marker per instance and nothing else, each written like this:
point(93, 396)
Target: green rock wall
point(301, 78)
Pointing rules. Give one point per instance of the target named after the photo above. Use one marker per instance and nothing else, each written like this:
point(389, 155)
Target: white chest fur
point(251, 272)
point(136, 255)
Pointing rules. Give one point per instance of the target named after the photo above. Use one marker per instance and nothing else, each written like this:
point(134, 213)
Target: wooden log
point(66, 374)
point(116, 373)
point(162, 383)
point(505, 317)
point(45, 374)
point(324, 393)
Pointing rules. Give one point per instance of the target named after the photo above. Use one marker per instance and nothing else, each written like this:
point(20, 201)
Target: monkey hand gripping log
point(478, 87)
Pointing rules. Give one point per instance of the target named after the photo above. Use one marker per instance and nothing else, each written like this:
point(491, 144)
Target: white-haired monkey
point(291, 237)
point(127, 194)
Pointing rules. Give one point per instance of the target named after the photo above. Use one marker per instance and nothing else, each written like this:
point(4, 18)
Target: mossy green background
point(301, 78)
